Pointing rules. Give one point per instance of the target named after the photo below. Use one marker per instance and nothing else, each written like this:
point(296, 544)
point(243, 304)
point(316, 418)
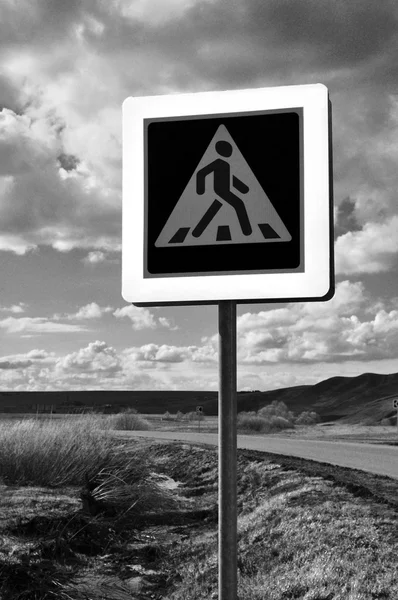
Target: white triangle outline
point(191, 207)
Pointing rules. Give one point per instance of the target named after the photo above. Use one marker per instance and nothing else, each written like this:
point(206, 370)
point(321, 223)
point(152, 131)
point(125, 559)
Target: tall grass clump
point(52, 453)
point(125, 485)
point(126, 421)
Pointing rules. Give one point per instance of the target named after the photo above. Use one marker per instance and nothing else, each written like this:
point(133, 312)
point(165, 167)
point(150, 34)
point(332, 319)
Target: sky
point(65, 70)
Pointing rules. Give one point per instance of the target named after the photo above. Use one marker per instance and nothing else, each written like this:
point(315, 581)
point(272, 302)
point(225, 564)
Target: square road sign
point(228, 196)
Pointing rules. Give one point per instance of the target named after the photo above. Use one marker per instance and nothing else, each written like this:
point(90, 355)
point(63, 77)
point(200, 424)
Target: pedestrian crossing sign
point(228, 209)
point(227, 195)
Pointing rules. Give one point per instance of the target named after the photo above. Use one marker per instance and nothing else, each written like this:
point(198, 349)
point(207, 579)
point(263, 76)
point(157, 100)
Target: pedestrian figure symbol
point(221, 170)
point(222, 203)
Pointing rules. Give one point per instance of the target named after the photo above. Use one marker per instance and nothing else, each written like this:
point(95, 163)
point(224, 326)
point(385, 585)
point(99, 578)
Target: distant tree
point(276, 408)
point(307, 418)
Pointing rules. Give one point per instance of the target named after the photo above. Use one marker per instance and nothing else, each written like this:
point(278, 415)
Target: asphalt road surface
point(381, 460)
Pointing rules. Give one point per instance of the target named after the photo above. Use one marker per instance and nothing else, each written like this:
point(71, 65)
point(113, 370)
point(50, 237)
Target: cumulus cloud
point(172, 354)
point(40, 203)
point(96, 357)
point(320, 332)
point(142, 318)
point(21, 362)
point(86, 312)
point(91, 311)
point(373, 249)
point(14, 308)
point(38, 354)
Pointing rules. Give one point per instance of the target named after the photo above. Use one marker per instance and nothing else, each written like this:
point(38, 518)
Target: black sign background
point(272, 144)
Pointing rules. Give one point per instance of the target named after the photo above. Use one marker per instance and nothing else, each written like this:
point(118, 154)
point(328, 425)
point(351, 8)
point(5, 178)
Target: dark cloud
point(37, 22)
point(234, 43)
point(346, 220)
point(68, 161)
point(338, 33)
point(92, 57)
point(15, 364)
point(223, 43)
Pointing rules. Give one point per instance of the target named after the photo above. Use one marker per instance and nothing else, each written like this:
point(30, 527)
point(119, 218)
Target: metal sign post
point(227, 443)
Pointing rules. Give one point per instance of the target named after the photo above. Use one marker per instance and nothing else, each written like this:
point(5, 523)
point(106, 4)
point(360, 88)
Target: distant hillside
point(149, 402)
point(366, 398)
point(363, 399)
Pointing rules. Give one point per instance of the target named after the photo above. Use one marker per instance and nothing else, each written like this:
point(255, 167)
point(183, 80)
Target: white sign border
point(317, 280)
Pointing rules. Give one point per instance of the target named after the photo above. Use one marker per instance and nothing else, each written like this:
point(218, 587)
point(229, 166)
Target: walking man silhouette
point(222, 187)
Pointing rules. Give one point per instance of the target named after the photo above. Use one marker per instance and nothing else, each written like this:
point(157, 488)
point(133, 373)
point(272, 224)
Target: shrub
point(127, 421)
point(190, 416)
point(277, 410)
point(252, 423)
point(279, 422)
point(248, 413)
point(307, 418)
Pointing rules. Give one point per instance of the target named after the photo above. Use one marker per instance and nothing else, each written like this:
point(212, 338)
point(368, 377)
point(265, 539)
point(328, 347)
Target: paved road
point(382, 460)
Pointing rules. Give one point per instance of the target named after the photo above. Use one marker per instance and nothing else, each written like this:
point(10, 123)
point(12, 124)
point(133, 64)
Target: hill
point(366, 398)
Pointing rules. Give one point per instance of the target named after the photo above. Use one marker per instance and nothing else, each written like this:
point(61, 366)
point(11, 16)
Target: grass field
point(377, 434)
point(144, 523)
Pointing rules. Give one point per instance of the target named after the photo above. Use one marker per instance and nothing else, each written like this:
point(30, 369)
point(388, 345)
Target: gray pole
point(227, 491)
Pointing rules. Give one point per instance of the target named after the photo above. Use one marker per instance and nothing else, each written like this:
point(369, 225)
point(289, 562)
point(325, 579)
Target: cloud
point(25, 361)
point(373, 249)
point(42, 203)
point(37, 326)
point(97, 357)
point(153, 13)
point(172, 354)
point(345, 218)
point(15, 364)
point(86, 312)
point(15, 308)
point(94, 258)
point(91, 311)
point(38, 354)
point(142, 318)
point(320, 332)
point(60, 149)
